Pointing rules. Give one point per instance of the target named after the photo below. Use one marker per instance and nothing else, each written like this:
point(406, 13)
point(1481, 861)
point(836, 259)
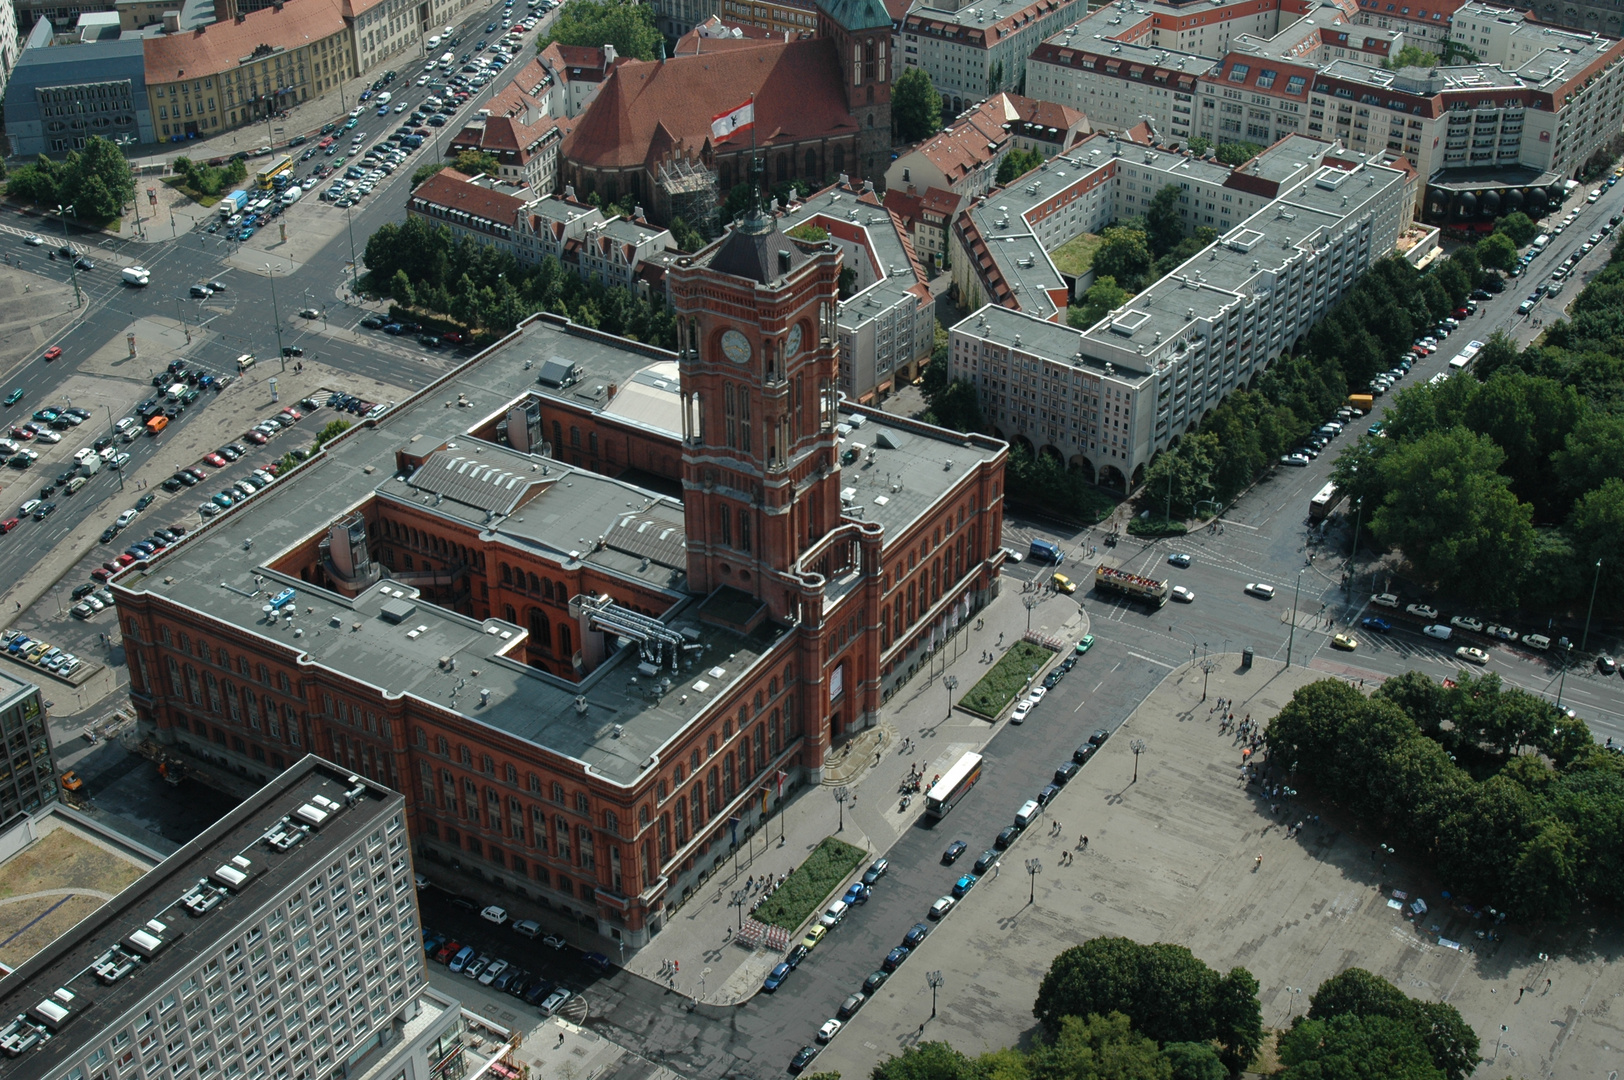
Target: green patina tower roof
point(857, 14)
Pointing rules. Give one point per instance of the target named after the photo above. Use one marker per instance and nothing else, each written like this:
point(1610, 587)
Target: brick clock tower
point(861, 31)
point(760, 377)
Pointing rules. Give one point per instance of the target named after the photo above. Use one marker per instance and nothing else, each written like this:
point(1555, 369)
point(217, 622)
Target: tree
point(1354, 1048)
point(477, 162)
point(1199, 145)
point(688, 238)
point(924, 1061)
point(1124, 256)
point(428, 169)
point(1411, 56)
point(1017, 163)
point(1194, 1061)
point(1497, 251)
point(1519, 226)
point(1454, 515)
point(1099, 1048)
point(1102, 297)
point(1238, 153)
point(916, 107)
point(1177, 478)
point(105, 180)
point(1164, 224)
point(1450, 1042)
point(625, 24)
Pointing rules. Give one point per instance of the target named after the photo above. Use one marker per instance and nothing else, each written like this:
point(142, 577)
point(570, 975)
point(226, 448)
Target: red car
point(101, 574)
point(215, 459)
point(255, 437)
point(53, 352)
point(447, 951)
point(9, 524)
point(124, 560)
point(197, 472)
point(294, 413)
point(20, 432)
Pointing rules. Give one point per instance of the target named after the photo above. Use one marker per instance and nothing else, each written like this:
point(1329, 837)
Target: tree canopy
point(421, 265)
point(916, 107)
point(1017, 163)
point(1512, 801)
point(96, 181)
point(1125, 257)
point(625, 24)
point(1171, 996)
point(1450, 1042)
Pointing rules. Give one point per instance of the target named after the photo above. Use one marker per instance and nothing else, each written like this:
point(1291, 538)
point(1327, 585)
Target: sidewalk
point(699, 934)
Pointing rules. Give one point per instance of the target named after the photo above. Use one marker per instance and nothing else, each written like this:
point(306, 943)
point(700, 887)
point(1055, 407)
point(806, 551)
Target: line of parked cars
point(1433, 628)
point(40, 653)
point(1024, 707)
point(503, 975)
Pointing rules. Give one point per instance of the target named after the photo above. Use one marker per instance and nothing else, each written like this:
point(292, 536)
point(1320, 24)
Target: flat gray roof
point(877, 287)
point(615, 720)
point(178, 939)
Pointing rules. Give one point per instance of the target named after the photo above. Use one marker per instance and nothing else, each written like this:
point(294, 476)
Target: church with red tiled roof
point(822, 109)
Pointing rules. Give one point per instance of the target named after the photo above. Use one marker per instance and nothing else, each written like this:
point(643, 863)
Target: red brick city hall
point(582, 600)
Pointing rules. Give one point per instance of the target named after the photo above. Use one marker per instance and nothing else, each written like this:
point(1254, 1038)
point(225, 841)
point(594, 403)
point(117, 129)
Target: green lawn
point(809, 884)
point(1076, 255)
point(1006, 679)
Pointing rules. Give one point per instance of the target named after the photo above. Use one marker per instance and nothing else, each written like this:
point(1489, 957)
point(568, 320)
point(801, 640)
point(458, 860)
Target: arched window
point(540, 630)
point(783, 168)
point(810, 171)
point(840, 159)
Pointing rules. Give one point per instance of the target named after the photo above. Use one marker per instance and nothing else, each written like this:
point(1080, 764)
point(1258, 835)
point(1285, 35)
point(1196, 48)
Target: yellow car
point(1343, 641)
point(813, 936)
point(1064, 583)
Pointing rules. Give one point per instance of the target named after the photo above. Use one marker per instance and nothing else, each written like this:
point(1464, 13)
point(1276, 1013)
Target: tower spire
point(757, 221)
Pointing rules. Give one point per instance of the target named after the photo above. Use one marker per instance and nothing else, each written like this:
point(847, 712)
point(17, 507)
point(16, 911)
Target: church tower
point(861, 31)
point(760, 378)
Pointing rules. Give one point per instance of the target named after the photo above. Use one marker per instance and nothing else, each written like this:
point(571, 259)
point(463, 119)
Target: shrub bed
point(998, 687)
point(809, 884)
point(1154, 526)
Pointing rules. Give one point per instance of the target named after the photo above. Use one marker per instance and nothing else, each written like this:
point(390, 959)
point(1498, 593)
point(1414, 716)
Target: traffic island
point(1013, 673)
point(810, 884)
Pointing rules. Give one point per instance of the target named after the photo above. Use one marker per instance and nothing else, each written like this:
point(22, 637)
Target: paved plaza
point(1173, 858)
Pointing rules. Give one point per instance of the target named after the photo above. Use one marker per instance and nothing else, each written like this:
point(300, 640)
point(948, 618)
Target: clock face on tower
point(735, 346)
point(792, 344)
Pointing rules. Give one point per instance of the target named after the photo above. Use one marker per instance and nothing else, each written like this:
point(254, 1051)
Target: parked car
point(954, 850)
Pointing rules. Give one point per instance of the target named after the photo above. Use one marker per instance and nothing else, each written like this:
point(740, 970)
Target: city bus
point(953, 785)
point(1328, 499)
point(1464, 358)
point(267, 179)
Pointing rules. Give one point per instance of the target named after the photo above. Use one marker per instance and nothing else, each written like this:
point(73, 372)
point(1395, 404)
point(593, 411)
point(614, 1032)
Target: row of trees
point(1113, 1009)
point(95, 181)
point(1446, 772)
point(209, 180)
point(1507, 485)
point(625, 24)
point(422, 266)
point(1230, 152)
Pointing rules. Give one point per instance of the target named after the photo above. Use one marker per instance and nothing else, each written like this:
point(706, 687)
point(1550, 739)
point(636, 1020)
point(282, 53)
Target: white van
point(1027, 813)
point(834, 915)
point(1439, 631)
point(385, 98)
point(175, 391)
point(433, 41)
point(447, 59)
point(245, 361)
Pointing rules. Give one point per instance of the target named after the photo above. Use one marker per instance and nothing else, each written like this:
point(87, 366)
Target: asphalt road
point(757, 1038)
point(243, 318)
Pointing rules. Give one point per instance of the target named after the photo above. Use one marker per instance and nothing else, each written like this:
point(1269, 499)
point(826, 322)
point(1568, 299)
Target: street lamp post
point(1138, 747)
point(1585, 639)
point(952, 684)
point(842, 793)
point(739, 897)
point(1358, 519)
point(62, 213)
point(355, 287)
point(112, 433)
point(1561, 684)
point(1291, 635)
point(276, 315)
point(1030, 602)
point(1033, 869)
point(935, 979)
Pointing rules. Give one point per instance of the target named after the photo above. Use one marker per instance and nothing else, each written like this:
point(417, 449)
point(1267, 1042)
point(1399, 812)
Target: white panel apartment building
point(283, 942)
point(1110, 398)
point(1003, 242)
point(962, 44)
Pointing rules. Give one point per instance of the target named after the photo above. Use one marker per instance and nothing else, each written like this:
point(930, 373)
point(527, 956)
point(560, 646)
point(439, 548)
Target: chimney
point(637, 212)
point(569, 192)
point(171, 22)
point(608, 55)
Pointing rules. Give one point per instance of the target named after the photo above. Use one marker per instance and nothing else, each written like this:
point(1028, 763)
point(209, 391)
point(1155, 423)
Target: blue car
point(18, 644)
point(964, 884)
point(464, 957)
point(857, 894)
point(223, 501)
point(776, 978)
point(1380, 626)
point(432, 942)
point(366, 95)
point(246, 233)
point(491, 29)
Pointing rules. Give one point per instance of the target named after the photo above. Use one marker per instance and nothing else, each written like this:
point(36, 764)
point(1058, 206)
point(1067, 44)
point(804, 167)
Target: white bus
point(1464, 358)
point(953, 785)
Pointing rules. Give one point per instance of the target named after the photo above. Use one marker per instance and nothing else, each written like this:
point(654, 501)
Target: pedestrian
point(1259, 861)
point(997, 866)
point(560, 1039)
point(1085, 843)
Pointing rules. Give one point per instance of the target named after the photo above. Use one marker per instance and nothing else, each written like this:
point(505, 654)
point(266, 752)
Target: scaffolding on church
point(689, 190)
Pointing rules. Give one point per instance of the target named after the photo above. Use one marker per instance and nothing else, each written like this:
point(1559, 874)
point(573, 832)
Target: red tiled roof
point(937, 201)
point(796, 85)
point(905, 205)
point(973, 140)
point(451, 189)
point(217, 47)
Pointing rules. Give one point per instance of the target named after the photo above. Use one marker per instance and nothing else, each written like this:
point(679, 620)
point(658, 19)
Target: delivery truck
point(233, 203)
point(137, 275)
point(1143, 589)
point(1362, 402)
